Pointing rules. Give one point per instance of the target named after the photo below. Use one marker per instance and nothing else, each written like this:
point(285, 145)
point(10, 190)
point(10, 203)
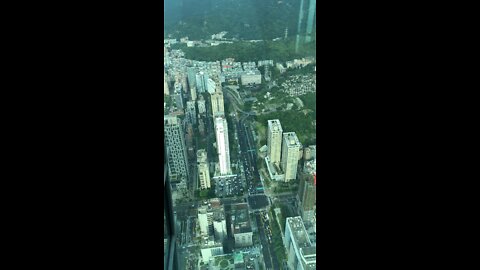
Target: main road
point(271, 261)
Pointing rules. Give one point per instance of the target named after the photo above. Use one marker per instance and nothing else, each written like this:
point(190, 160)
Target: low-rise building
point(210, 250)
point(251, 77)
point(241, 228)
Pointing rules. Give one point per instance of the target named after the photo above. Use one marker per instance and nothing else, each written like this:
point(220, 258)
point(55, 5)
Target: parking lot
point(231, 186)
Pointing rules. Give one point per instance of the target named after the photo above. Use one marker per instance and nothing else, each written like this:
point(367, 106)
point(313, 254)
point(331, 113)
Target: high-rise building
point(310, 20)
point(191, 77)
point(221, 130)
point(166, 91)
point(274, 141)
point(203, 170)
point(219, 226)
point(201, 127)
point(201, 106)
point(212, 86)
point(307, 197)
point(182, 78)
point(201, 80)
point(193, 93)
point(290, 151)
point(191, 112)
point(218, 108)
point(177, 152)
point(301, 253)
point(305, 25)
point(178, 95)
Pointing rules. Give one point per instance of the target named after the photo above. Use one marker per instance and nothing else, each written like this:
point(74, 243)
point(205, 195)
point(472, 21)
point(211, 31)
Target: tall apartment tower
point(290, 149)
point(307, 196)
point(218, 107)
point(203, 171)
point(274, 141)
point(221, 131)
point(177, 152)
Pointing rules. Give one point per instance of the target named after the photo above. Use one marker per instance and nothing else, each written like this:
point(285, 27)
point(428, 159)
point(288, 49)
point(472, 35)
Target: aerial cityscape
point(240, 133)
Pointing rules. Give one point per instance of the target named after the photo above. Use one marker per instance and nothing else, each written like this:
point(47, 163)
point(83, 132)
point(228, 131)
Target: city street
point(271, 261)
point(230, 186)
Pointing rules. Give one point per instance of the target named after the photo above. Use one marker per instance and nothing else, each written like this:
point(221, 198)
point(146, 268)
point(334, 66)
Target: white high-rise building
point(221, 130)
point(290, 149)
point(176, 150)
point(203, 171)
point(301, 253)
point(211, 86)
point(274, 141)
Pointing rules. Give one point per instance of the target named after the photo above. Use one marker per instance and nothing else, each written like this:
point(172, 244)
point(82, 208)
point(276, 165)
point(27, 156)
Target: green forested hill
point(278, 51)
point(243, 19)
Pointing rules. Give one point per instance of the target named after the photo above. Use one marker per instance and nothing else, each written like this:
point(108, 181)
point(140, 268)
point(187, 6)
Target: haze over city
point(240, 133)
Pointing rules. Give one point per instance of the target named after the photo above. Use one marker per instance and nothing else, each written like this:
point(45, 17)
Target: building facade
point(191, 112)
point(218, 106)
point(221, 130)
point(219, 226)
point(274, 141)
point(203, 170)
point(166, 91)
point(202, 110)
point(290, 152)
point(211, 250)
point(177, 152)
point(307, 197)
point(201, 80)
point(301, 253)
point(241, 226)
point(251, 77)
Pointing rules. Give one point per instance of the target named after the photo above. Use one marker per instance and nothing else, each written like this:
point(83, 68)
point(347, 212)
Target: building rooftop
point(241, 219)
point(300, 235)
point(212, 205)
point(275, 125)
point(292, 139)
point(170, 120)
